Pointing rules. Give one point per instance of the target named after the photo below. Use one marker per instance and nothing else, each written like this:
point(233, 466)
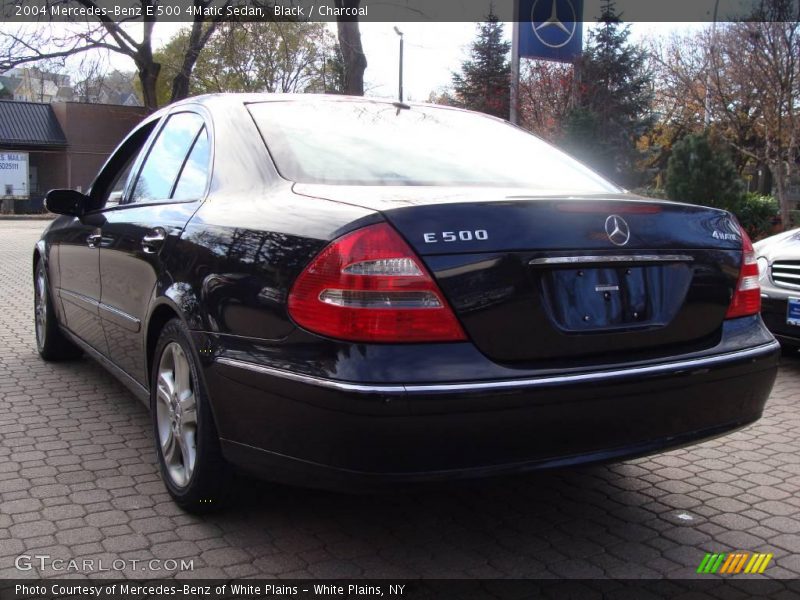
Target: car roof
point(220, 101)
point(239, 135)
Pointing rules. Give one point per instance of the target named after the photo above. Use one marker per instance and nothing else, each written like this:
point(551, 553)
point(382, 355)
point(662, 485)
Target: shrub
point(701, 173)
point(757, 214)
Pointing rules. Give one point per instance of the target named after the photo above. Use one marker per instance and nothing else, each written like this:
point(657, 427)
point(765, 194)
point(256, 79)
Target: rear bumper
point(321, 432)
point(290, 470)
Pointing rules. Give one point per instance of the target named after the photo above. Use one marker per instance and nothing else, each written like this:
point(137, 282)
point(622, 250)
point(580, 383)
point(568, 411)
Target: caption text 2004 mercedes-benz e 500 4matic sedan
point(345, 293)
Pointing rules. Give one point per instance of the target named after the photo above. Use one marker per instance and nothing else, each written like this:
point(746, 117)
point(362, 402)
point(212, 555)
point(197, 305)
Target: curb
point(45, 217)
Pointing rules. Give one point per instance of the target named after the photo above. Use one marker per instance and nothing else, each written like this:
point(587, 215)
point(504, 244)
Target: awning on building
point(29, 125)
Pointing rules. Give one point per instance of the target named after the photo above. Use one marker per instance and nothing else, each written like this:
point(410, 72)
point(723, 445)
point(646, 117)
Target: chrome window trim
point(476, 386)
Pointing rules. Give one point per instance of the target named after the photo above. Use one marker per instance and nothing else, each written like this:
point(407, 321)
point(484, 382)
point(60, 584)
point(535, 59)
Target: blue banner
point(550, 29)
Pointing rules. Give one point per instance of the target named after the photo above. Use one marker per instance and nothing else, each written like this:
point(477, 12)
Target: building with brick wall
point(61, 145)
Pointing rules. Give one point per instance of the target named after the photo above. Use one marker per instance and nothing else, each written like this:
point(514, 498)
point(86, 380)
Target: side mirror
point(66, 202)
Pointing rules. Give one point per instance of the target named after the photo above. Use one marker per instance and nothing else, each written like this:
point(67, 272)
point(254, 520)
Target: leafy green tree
point(483, 83)
point(701, 172)
point(259, 57)
point(331, 78)
point(612, 102)
point(744, 77)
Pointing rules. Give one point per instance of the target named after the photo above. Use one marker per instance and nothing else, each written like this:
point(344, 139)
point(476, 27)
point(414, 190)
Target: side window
point(192, 180)
point(117, 188)
point(166, 158)
point(109, 186)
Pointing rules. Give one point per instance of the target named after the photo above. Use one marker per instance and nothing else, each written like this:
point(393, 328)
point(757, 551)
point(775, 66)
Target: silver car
point(779, 269)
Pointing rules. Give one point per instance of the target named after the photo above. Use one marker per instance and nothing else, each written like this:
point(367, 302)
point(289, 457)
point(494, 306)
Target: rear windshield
point(377, 143)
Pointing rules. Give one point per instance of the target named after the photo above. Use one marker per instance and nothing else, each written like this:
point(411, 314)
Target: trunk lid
point(553, 278)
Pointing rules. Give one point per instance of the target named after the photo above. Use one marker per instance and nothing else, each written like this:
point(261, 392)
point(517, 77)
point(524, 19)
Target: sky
point(432, 52)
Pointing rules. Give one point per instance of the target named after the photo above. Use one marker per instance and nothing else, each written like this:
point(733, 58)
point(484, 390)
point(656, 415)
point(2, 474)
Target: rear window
point(377, 143)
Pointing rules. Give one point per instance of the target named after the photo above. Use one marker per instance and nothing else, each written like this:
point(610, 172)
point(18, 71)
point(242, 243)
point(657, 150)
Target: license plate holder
point(594, 299)
point(793, 312)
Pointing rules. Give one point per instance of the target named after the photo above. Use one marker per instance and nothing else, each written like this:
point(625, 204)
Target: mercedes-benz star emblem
point(553, 32)
point(617, 230)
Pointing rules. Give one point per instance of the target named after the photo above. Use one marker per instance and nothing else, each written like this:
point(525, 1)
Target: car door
point(170, 182)
point(78, 248)
point(79, 243)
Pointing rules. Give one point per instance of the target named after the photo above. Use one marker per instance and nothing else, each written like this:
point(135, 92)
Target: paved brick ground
point(78, 479)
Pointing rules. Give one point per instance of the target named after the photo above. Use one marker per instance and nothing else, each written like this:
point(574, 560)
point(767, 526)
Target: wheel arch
point(39, 253)
point(171, 299)
point(161, 314)
point(42, 255)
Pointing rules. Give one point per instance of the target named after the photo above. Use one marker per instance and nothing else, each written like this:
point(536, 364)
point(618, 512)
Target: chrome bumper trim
point(505, 384)
point(368, 388)
point(608, 258)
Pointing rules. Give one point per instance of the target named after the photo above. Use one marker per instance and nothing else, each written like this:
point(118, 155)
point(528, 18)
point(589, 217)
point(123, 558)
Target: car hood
point(785, 246)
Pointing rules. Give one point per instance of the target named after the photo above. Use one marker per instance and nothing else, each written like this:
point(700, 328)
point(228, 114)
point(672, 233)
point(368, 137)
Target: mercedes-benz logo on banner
point(559, 28)
point(617, 230)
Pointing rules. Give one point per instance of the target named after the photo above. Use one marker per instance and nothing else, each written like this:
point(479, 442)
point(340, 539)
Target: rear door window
point(166, 158)
point(192, 180)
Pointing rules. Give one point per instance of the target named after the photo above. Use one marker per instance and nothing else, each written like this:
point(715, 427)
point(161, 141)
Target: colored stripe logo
point(733, 563)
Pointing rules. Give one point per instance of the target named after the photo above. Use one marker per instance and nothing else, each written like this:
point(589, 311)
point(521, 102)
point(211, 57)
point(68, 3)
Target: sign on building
point(550, 29)
point(13, 174)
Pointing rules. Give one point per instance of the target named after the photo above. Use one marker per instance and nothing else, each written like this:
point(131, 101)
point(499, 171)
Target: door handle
point(153, 240)
point(93, 239)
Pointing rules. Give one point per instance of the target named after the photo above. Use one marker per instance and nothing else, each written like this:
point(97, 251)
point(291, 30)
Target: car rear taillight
point(369, 286)
point(747, 295)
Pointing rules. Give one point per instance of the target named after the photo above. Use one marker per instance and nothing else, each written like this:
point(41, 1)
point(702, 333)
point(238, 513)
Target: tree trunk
point(764, 179)
point(197, 41)
point(355, 62)
point(180, 85)
point(779, 177)
point(148, 76)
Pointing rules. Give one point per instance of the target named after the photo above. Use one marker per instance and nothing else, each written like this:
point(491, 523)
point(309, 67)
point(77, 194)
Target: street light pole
point(514, 95)
point(400, 91)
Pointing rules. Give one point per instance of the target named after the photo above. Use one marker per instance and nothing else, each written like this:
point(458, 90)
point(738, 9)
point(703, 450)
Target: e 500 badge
point(466, 235)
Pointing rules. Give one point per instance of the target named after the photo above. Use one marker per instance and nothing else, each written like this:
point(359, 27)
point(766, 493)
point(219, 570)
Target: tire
point(187, 445)
point(51, 343)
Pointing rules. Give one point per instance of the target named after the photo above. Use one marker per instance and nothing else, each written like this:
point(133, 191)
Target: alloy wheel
point(176, 414)
point(40, 307)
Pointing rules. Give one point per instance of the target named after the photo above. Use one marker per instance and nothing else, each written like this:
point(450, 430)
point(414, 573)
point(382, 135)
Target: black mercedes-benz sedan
point(779, 266)
point(344, 293)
